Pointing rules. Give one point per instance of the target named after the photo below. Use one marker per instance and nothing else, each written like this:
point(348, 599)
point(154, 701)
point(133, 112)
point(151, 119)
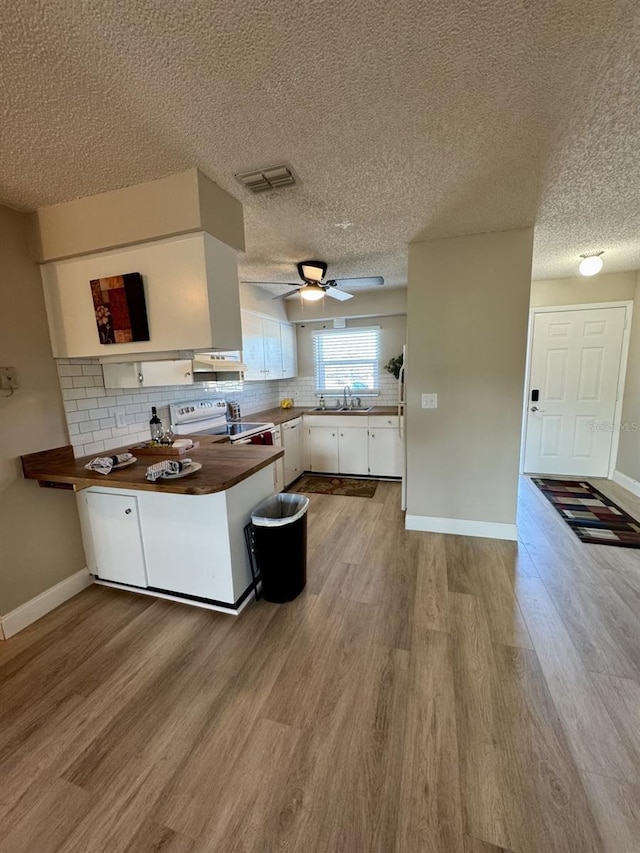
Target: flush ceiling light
point(591, 264)
point(312, 293)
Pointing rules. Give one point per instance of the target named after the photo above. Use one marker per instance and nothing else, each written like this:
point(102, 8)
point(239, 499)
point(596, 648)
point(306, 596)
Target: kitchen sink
point(343, 409)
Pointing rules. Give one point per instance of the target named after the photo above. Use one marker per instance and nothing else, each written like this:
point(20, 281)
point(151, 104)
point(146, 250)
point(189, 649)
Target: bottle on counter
point(323, 405)
point(155, 425)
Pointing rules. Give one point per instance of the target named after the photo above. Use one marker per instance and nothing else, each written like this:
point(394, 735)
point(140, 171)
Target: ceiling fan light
point(312, 293)
point(312, 270)
point(590, 264)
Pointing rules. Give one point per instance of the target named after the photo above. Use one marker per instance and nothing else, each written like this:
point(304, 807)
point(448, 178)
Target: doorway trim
point(624, 355)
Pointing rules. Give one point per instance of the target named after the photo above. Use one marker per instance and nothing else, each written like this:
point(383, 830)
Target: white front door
point(575, 367)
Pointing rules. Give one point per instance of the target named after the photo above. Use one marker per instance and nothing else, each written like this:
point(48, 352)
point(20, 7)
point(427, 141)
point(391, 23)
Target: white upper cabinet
point(268, 347)
point(191, 293)
point(289, 345)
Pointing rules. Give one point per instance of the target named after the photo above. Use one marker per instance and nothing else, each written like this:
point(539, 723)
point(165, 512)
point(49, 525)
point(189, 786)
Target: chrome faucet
point(346, 391)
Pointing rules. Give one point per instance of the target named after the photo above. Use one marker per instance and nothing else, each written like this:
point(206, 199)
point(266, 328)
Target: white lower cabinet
point(116, 552)
point(386, 448)
point(322, 449)
point(293, 454)
point(190, 545)
point(353, 444)
point(353, 456)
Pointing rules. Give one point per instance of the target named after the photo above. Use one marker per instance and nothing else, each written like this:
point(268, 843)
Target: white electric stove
point(209, 417)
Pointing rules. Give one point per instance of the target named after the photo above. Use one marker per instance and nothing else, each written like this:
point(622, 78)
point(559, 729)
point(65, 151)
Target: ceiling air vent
point(261, 180)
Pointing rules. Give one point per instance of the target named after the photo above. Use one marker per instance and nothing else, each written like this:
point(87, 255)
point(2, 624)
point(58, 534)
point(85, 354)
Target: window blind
point(347, 357)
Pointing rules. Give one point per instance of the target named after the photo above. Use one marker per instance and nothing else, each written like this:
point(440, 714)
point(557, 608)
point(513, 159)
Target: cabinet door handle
point(127, 512)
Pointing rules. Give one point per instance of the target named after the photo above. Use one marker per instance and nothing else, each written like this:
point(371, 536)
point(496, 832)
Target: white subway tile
point(107, 423)
point(100, 434)
point(91, 370)
point(96, 414)
point(69, 370)
point(87, 426)
point(77, 417)
point(74, 394)
point(66, 381)
point(93, 447)
point(83, 382)
point(70, 406)
point(89, 403)
point(73, 429)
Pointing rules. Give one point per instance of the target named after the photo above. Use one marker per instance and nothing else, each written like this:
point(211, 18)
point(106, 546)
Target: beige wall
point(393, 331)
point(254, 298)
point(580, 290)
point(369, 303)
point(178, 204)
point(39, 529)
point(629, 448)
point(468, 305)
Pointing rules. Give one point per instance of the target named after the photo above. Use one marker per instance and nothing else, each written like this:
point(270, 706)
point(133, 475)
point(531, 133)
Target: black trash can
point(280, 544)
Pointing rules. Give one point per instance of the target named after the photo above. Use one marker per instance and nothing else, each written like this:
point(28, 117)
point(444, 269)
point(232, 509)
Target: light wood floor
point(427, 694)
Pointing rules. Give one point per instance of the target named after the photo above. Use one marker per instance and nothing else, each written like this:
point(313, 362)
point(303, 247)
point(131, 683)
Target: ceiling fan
point(313, 287)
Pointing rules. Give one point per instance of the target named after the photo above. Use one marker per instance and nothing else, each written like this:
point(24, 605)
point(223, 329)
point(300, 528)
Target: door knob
point(127, 512)
point(536, 409)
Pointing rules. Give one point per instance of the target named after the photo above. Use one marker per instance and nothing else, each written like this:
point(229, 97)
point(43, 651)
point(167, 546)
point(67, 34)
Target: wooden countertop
point(223, 465)
point(279, 416)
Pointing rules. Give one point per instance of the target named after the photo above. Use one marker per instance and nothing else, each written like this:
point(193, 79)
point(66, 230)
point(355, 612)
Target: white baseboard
point(44, 603)
point(626, 482)
point(460, 527)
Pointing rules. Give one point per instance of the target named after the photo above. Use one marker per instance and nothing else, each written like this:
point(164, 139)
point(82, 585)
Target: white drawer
point(382, 421)
point(335, 420)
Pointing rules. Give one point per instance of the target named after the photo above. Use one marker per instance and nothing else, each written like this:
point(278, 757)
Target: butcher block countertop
point(223, 465)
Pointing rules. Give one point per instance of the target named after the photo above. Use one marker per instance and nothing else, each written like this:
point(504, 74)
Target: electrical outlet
point(429, 401)
point(121, 420)
point(8, 379)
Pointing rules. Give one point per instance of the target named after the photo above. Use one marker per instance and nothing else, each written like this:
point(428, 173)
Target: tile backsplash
point(91, 409)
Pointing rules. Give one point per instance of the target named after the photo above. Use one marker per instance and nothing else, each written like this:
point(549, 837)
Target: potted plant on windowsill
point(394, 365)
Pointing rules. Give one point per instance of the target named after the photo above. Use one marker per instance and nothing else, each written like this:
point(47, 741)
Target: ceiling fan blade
point(366, 281)
point(290, 293)
point(290, 283)
point(334, 293)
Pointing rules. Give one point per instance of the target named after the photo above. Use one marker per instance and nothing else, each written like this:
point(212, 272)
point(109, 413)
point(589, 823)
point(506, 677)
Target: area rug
point(590, 514)
point(344, 486)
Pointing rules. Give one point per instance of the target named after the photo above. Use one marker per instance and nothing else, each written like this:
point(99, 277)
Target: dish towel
point(168, 466)
point(104, 464)
point(262, 438)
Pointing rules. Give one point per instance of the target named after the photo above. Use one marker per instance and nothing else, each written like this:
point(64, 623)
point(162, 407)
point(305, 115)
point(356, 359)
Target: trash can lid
point(279, 510)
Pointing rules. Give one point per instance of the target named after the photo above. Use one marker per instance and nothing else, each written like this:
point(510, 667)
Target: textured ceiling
point(409, 120)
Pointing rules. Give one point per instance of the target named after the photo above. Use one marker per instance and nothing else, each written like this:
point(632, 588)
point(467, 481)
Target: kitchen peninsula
point(181, 539)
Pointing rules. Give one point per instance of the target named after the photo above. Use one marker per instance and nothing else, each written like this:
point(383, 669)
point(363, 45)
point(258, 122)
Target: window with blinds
point(347, 357)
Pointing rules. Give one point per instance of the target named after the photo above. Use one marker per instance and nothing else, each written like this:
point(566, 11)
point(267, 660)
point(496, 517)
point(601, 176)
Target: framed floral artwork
point(120, 308)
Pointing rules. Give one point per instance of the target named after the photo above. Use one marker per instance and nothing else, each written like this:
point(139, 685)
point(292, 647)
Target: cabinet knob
point(127, 512)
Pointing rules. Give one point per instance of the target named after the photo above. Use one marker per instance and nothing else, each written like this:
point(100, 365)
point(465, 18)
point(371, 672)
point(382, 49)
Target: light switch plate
point(429, 401)
point(121, 420)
